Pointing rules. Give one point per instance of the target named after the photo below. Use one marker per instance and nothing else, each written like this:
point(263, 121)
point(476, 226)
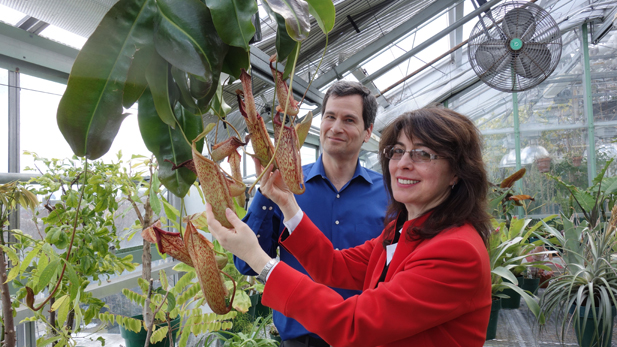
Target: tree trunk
point(70, 321)
point(7, 310)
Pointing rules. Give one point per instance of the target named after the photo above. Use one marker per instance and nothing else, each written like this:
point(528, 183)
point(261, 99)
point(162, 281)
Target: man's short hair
point(346, 88)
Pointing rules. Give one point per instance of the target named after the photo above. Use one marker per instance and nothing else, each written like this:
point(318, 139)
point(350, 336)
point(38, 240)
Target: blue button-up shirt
point(348, 217)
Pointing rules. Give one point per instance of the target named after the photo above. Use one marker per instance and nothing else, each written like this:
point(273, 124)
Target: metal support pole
point(13, 137)
point(25, 332)
point(517, 145)
point(588, 108)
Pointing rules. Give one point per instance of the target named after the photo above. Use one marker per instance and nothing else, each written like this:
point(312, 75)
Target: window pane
point(40, 132)
point(4, 116)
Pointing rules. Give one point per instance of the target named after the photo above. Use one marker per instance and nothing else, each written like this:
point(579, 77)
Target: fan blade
point(492, 55)
point(534, 60)
point(519, 23)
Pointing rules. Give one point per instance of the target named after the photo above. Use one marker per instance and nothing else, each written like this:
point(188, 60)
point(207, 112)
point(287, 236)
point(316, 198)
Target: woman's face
point(419, 185)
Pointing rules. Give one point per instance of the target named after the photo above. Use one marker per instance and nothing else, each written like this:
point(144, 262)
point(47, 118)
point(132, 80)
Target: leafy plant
point(167, 303)
point(250, 338)
point(12, 195)
point(76, 244)
point(504, 256)
point(170, 55)
point(596, 200)
point(589, 278)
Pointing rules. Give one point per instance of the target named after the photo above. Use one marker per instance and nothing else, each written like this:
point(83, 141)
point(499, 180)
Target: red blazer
point(437, 292)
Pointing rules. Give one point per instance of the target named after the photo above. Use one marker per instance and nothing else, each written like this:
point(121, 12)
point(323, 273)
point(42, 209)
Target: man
point(345, 201)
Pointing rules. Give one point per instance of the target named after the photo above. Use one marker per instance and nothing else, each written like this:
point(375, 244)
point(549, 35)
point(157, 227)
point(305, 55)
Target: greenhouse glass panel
point(556, 152)
point(4, 120)
point(40, 132)
point(603, 63)
point(490, 109)
point(495, 154)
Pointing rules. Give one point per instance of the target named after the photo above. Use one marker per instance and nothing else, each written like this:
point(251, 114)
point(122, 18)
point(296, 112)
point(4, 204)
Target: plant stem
point(7, 309)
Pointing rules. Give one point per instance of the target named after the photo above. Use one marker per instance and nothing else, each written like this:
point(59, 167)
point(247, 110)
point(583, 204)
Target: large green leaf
point(296, 14)
point(167, 143)
point(232, 19)
point(157, 75)
point(324, 12)
point(90, 111)
point(284, 43)
point(136, 81)
point(218, 104)
point(185, 36)
point(236, 60)
point(181, 79)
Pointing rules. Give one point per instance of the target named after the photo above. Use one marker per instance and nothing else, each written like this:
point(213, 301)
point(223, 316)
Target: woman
point(426, 280)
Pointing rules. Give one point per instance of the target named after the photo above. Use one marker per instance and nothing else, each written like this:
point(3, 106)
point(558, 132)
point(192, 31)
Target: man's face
point(342, 127)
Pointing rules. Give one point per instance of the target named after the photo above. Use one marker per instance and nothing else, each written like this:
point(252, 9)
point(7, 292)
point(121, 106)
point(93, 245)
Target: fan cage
point(504, 68)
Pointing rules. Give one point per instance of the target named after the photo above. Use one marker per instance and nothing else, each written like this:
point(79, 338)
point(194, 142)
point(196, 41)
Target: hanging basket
point(576, 161)
point(543, 164)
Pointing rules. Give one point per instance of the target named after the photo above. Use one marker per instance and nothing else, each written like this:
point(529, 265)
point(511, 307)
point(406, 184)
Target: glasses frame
point(388, 150)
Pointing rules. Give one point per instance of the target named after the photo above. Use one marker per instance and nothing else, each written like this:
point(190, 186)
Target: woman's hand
point(274, 188)
point(241, 240)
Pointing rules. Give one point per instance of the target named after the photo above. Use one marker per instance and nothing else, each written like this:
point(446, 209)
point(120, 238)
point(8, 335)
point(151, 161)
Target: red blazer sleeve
point(345, 269)
point(437, 282)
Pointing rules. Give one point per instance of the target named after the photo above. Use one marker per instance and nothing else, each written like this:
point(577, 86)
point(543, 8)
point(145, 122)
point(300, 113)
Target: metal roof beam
point(260, 61)
point(429, 42)
point(35, 55)
point(337, 72)
point(605, 27)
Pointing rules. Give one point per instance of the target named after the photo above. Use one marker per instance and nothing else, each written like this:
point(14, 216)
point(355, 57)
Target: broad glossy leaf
point(199, 87)
point(232, 19)
point(185, 97)
point(236, 60)
point(218, 104)
point(90, 111)
point(157, 75)
point(167, 143)
point(284, 43)
point(185, 36)
point(324, 12)
point(136, 81)
point(289, 65)
point(296, 15)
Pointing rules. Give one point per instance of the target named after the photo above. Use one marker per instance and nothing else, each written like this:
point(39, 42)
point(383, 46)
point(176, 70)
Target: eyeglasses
point(417, 155)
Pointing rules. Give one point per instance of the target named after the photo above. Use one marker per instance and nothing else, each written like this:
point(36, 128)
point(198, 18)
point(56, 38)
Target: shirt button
point(336, 222)
point(264, 208)
point(270, 208)
point(258, 236)
point(338, 196)
point(336, 248)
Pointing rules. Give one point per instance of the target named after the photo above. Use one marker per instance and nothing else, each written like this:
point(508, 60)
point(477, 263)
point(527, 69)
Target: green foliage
point(589, 277)
point(596, 200)
point(249, 336)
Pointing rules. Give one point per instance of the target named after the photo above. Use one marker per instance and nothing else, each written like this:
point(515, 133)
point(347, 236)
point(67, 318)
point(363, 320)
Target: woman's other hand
point(241, 240)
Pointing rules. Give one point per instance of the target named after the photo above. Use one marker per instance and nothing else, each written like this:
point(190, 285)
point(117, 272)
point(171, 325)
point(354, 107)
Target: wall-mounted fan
point(515, 46)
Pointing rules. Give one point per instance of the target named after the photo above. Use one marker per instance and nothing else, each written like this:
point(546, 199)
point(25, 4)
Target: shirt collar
point(318, 170)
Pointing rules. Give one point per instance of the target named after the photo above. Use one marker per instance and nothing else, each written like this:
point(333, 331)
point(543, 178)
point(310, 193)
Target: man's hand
point(241, 240)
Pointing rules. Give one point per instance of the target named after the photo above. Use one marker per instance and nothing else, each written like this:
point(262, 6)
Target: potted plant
point(509, 227)
point(501, 264)
point(584, 293)
point(539, 272)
